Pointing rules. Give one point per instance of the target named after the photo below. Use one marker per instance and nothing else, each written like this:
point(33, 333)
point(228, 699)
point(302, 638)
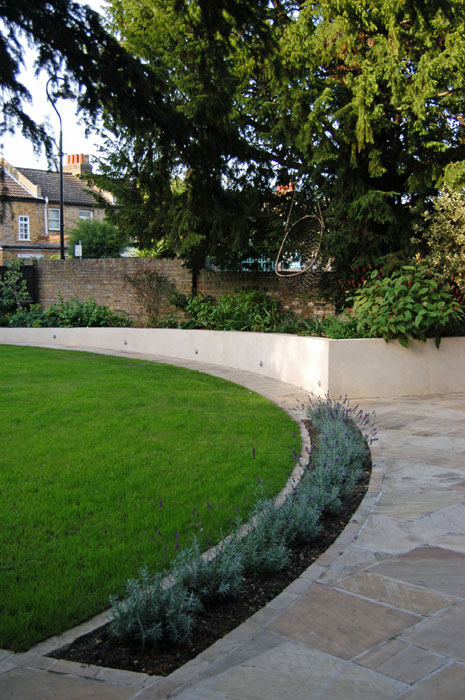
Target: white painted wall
point(360, 368)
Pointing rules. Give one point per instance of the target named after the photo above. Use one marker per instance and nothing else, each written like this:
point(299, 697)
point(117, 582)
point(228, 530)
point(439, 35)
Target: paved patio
point(380, 615)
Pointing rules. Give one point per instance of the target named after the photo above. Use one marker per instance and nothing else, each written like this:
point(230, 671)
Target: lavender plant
point(210, 579)
point(153, 611)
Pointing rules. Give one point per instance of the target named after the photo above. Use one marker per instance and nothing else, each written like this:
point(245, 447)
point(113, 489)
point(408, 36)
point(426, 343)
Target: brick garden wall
point(108, 282)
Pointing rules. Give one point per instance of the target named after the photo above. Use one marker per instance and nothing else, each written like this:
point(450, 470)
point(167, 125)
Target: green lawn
point(107, 464)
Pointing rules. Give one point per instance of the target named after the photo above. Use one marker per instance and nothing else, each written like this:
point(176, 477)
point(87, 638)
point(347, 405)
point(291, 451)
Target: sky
point(18, 151)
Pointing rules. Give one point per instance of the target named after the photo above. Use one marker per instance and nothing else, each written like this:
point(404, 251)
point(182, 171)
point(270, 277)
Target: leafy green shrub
point(31, 317)
point(13, 291)
point(243, 311)
point(100, 239)
point(81, 314)
point(152, 611)
point(329, 327)
point(411, 302)
point(444, 232)
point(253, 311)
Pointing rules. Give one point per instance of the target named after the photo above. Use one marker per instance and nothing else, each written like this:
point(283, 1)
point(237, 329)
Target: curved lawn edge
point(277, 453)
point(356, 367)
point(293, 405)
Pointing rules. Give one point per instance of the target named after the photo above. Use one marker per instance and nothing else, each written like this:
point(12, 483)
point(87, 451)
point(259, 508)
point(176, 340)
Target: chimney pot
point(77, 164)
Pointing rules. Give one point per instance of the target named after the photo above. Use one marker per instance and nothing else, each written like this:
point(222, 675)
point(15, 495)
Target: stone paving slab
point(443, 633)
point(397, 594)
point(339, 623)
point(448, 684)
point(394, 536)
point(410, 504)
point(297, 672)
point(434, 568)
point(404, 662)
point(28, 684)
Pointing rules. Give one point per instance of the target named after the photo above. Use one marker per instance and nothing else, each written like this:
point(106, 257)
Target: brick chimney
point(77, 164)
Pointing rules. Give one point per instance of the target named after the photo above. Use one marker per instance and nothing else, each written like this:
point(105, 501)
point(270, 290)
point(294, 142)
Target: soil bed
point(101, 649)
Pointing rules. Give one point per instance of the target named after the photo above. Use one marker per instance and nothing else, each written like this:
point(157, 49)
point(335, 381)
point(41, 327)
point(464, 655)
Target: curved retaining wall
point(360, 368)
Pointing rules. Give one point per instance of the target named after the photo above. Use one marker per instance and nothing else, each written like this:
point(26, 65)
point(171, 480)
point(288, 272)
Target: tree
point(99, 239)
point(359, 102)
point(209, 197)
point(370, 100)
point(72, 41)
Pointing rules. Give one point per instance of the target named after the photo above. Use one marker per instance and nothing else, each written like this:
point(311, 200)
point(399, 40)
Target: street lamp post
point(64, 93)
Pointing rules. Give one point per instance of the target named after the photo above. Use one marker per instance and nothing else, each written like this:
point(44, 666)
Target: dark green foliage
point(370, 101)
point(13, 291)
point(71, 313)
point(410, 302)
point(100, 239)
point(74, 313)
point(254, 310)
point(360, 104)
point(32, 317)
point(242, 311)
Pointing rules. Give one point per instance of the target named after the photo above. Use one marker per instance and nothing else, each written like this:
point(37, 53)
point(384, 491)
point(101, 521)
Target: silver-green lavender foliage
point(209, 579)
point(153, 611)
point(264, 548)
point(340, 451)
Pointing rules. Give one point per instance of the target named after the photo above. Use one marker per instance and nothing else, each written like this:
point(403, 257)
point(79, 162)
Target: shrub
point(81, 314)
point(329, 327)
point(100, 239)
point(243, 311)
point(13, 291)
point(210, 579)
point(32, 317)
point(444, 232)
point(253, 311)
point(153, 612)
point(410, 302)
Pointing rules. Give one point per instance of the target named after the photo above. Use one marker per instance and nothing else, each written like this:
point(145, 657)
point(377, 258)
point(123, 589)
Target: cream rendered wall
point(359, 368)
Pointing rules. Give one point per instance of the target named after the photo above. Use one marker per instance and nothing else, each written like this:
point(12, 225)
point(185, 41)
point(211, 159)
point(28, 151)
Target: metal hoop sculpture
point(302, 242)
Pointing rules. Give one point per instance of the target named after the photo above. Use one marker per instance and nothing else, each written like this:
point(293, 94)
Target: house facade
point(30, 201)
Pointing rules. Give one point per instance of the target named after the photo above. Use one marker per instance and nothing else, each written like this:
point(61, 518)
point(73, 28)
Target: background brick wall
point(108, 282)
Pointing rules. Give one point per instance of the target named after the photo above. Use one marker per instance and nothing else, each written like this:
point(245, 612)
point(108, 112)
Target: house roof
point(13, 189)
point(75, 191)
point(35, 184)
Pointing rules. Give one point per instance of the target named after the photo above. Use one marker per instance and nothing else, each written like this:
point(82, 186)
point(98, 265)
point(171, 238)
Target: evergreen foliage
point(99, 239)
point(71, 40)
point(360, 104)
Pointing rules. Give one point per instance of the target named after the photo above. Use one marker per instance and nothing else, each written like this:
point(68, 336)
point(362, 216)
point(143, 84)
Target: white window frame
point(24, 232)
point(54, 225)
point(86, 214)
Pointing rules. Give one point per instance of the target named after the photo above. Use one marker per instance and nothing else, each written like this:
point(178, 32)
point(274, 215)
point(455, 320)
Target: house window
point(86, 214)
point(23, 228)
point(53, 219)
